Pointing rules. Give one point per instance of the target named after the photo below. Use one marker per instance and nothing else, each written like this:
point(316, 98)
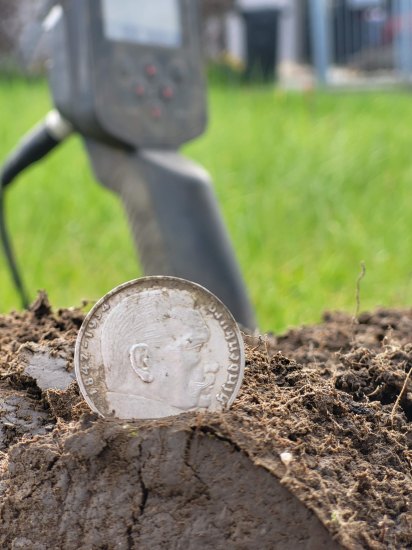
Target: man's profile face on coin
point(158, 346)
point(152, 352)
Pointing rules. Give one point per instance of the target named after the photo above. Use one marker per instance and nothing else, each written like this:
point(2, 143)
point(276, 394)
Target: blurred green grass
point(310, 185)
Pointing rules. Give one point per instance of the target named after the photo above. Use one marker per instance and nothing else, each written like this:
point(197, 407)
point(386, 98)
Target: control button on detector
point(150, 70)
point(167, 93)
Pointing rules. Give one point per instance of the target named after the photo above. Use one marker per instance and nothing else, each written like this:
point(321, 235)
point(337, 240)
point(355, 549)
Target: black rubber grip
point(37, 144)
point(34, 147)
point(10, 257)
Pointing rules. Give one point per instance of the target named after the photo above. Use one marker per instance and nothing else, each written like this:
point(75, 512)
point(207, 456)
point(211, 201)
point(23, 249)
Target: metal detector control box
point(130, 70)
point(128, 76)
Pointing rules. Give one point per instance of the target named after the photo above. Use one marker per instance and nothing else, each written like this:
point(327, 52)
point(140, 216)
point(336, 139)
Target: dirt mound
point(316, 451)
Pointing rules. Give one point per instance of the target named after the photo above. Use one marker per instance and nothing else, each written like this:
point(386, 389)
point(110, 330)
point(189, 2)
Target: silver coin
point(157, 347)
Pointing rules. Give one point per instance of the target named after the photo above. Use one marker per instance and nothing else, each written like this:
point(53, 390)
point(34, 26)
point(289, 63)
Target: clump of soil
point(39, 325)
point(316, 452)
point(24, 408)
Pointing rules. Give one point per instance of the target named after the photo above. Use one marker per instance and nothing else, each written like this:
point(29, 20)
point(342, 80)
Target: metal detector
point(128, 76)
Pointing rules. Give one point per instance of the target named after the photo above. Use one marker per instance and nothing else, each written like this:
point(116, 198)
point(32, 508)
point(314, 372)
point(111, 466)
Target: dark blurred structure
point(261, 26)
point(357, 25)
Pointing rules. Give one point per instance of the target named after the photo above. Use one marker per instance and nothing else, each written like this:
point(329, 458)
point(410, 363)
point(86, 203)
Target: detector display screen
point(147, 22)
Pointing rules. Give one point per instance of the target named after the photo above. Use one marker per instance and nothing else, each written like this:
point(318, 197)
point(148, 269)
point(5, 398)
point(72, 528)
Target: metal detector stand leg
point(175, 220)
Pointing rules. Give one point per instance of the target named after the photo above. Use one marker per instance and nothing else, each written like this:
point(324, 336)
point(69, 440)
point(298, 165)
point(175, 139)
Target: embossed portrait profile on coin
point(158, 348)
point(151, 348)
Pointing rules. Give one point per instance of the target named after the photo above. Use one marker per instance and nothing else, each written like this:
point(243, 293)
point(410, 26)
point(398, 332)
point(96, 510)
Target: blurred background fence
point(337, 42)
point(329, 42)
point(362, 41)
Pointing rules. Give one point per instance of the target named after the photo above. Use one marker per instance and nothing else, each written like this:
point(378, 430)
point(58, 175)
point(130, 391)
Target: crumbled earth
point(316, 451)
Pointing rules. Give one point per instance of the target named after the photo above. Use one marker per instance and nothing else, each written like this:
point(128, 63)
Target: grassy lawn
point(310, 185)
